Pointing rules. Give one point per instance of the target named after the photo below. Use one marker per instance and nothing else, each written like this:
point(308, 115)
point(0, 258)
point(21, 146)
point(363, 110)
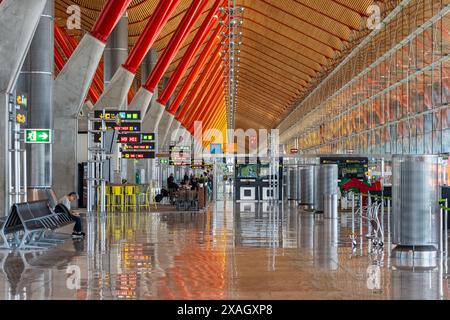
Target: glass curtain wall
point(391, 97)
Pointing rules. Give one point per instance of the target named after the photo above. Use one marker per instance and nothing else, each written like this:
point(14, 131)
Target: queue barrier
point(372, 214)
point(445, 211)
point(377, 200)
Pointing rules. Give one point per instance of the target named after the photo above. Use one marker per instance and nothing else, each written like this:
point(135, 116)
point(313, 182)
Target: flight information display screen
point(180, 156)
point(352, 167)
point(245, 171)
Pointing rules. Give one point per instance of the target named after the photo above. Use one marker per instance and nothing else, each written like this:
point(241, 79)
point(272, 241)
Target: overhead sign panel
point(129, 138)
point(136, 137)
point(147, 137)
point(139, 147)
point(116, 114)
point(124, 126)
point(138, 155)
point(180, 155)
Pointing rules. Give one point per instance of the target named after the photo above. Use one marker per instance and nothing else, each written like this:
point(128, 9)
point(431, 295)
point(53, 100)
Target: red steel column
point(216, 108)
point(216, 78)
point(206, 110)
point(212, 116)
point(205, 98)
point(206, 53)
point(60, 39)
point(215, 124)
point(194, 47)
point(214, 62)
point(188, 21)
point(109, 17)
point(219, 98)
point(148, 36)
point(218, 121)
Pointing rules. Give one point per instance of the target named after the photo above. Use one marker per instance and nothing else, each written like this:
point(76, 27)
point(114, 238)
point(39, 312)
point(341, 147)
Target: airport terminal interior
point(224, 149)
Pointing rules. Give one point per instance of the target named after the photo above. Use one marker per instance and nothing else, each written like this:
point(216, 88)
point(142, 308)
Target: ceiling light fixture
point(230, 52)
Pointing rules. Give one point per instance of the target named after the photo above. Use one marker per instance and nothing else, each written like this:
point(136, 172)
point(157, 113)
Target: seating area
point(30, 225)
point(187, 200)
point(129, 198)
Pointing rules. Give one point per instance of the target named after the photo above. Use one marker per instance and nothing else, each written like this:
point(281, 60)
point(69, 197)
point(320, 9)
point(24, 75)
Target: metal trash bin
point(308, 174)
point(293, 183)
point(326, 184)
point(330, 206)
point(415, 214)
point(286, 183)
point(412, 283)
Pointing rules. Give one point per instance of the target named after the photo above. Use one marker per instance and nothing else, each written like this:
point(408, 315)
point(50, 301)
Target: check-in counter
point(267, 190)
point(253, 183)
point(247, 190)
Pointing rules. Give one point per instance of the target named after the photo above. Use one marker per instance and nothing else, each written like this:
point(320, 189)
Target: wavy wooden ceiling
point(288, 46)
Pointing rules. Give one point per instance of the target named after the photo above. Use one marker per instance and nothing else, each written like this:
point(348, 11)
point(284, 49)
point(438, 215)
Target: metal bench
point(10, 226)
point(59, 218)
point(29, 222)
point(37, 219)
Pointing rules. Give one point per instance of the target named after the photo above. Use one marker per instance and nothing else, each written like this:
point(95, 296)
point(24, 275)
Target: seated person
point(164, 192)
point(185, 186)
point(171, 182)
point(194, 184)
point(78, 228)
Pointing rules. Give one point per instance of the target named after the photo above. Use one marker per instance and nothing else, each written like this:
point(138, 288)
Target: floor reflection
point(233, 251)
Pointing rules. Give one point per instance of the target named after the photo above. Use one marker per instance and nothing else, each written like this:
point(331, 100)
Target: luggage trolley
point(371, 214)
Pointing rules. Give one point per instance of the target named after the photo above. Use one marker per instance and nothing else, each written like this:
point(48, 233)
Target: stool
point(172, 195)
point(117, 193)
point(193, 200)
point(107, 198)
point(130, 197)
point(182, 201)
point(144, 198)
point(153, 192)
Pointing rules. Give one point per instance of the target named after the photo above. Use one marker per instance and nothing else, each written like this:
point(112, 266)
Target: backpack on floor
point(158, 198)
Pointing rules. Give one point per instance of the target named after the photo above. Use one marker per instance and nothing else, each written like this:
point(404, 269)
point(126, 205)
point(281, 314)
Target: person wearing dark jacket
point(194, 184)
point(78, 228)
point(171, 182)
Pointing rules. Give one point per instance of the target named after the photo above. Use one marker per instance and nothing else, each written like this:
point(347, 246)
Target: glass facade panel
point(396, 95)
point(446, 140)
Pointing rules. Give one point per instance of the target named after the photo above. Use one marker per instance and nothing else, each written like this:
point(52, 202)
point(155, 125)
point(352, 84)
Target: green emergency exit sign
point(38, 136)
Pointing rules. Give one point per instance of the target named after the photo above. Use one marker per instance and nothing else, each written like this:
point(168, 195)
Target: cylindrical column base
point(419, 256)
point(330, 206)
point(416, 283)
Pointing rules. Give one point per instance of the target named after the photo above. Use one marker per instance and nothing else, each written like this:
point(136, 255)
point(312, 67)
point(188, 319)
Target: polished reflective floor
point(233, 251)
